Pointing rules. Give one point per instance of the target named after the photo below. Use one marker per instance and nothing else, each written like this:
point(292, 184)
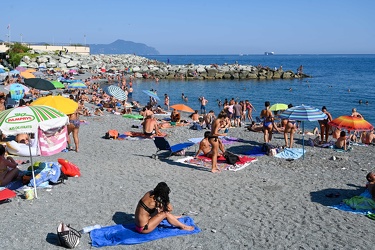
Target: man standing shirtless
point(213, 139)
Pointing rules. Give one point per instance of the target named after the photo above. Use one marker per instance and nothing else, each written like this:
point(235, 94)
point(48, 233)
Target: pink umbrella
point(20, 69)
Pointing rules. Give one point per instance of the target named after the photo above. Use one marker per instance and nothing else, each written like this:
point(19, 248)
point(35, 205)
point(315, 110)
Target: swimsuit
point(148, 210)
point(213, 137)
point(149, 134)
point(76, 123)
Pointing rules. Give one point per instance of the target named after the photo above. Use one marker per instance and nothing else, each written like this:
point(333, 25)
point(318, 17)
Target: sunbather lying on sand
point(154, 207)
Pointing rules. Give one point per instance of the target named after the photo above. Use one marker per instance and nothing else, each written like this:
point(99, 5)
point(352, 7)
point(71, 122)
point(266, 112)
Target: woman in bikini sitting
point(154, 207)
point(268, 122)
point(8, 168)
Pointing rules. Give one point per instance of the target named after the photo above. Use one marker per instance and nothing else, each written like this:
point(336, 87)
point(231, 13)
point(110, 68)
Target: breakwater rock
point(142, 67)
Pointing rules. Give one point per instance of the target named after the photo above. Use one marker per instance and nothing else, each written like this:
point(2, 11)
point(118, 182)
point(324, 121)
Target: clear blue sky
point(198, 26)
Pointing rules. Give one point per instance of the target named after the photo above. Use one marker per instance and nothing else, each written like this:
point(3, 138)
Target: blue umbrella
point(303, 113)
point(116, 92)
point(2, 70)
point(152, 94)
point(77, 85)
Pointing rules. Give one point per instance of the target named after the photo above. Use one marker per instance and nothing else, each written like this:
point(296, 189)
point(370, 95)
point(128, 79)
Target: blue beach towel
point(126, 234)
point(290, 153)
point(255, 151)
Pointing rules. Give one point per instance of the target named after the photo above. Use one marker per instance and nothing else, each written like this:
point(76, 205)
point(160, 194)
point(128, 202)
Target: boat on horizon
point(269, 53)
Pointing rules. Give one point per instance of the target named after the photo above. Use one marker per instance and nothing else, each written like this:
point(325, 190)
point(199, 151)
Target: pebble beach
point(271, 204)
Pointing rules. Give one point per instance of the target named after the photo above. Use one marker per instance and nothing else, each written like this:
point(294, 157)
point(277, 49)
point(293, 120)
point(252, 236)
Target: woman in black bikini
point(154, 207)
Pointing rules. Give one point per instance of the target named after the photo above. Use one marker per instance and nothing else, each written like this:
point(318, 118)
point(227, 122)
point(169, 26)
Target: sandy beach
point(271, 204)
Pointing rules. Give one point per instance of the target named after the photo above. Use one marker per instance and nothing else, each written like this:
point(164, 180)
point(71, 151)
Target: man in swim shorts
point(150, 126)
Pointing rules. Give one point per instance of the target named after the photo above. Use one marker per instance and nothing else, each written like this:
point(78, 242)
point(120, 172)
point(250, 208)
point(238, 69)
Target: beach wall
point(83, 50)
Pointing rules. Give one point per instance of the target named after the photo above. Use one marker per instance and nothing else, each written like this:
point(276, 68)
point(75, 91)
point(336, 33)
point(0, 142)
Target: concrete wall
point(71, 49)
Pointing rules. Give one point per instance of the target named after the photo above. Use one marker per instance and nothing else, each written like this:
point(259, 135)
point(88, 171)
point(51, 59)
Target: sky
point(198, 27)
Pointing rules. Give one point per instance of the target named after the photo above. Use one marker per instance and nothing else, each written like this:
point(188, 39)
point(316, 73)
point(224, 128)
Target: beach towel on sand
point(362, 204)
point(204, 161)
point(255, 151)
point(126, 234)
point(290, 153)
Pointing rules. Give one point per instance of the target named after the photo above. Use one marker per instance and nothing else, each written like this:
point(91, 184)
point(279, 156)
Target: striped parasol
point(27, 119)
point(351, 123)
point(77, 85)
point(116, 92)
point(303, 113)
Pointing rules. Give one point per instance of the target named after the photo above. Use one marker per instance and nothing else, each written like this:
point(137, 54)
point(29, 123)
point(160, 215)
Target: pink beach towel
point(52, 141)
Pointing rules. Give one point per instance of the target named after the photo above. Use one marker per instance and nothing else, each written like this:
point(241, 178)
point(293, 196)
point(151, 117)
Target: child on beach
point(153, 208)
point(341, 141)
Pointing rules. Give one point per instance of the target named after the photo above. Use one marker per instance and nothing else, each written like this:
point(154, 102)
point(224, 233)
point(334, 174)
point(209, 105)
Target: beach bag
point(231, 158)
point(269, 149)
point(111, 134)
point(68, 237)
point(68, 168)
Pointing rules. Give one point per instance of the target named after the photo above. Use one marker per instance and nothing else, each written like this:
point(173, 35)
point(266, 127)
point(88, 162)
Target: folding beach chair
point(162, 144)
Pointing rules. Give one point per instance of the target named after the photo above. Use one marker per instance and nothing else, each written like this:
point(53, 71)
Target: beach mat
point(359, 210)
point(203, 161)
point(126, 234)
point(14, 185)
point(291, 153)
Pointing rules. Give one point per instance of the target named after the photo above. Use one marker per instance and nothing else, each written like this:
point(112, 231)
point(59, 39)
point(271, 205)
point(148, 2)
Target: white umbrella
point(28, 119)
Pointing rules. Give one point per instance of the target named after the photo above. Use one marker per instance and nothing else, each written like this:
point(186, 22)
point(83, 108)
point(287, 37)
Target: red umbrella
point(351, 123)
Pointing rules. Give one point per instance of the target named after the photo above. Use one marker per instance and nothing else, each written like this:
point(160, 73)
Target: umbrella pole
point(32, 167)
point(303, 140)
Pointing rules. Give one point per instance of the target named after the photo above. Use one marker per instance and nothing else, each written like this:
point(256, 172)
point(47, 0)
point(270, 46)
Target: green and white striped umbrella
point(27, 119)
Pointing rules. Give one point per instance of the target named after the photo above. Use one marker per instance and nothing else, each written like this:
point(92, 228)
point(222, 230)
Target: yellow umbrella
point(63, 104)
point(27, 75)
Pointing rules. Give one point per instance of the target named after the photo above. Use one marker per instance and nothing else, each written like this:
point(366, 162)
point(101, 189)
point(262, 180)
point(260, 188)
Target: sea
point(339, 82)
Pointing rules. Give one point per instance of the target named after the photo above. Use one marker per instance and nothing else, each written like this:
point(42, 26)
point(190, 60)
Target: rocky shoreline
point(142, 67)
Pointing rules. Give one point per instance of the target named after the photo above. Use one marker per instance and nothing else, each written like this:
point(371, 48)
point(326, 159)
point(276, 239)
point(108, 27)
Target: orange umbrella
point(27, 75)
point(182, 107)
point(30, 70)
point(351, 123)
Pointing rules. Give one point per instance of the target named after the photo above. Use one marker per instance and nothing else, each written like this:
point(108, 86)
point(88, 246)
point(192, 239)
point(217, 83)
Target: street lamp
point(85, 39)
point(21, 38)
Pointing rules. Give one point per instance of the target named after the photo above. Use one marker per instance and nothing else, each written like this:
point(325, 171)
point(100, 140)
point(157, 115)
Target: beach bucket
point(29, 193)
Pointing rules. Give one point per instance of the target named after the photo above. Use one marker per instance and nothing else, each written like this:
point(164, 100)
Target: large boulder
point(42, 59)
point(26, 59)
point(64, 60)
point(211, 72)
point(73, 64)
point(33, 65)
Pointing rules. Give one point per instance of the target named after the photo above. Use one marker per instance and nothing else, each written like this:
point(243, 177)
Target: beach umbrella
point(2, 70)
point(182, 107)
point(77, 85)
point(279, 106)
point(39, 83)
point(14, 72)
point(28, 119)
point(303, 113)
point(27, 75)
point(116, 92)
point(17, 90)
point(20, 69)
point(58, 84)
point(151, 94)
point(62, 104)
point(351, 123)
point(30, 70)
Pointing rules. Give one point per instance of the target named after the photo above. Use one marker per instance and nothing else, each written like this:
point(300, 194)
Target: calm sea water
point(338, 82)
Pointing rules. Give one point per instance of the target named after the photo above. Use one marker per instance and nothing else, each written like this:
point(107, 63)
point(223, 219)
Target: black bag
point(267, 148)
point(63, 177)
point(231, 158)
point(68, 237)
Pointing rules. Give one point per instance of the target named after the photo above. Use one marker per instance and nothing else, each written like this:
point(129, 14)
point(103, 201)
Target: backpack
point(231, 158)
point(111, 134)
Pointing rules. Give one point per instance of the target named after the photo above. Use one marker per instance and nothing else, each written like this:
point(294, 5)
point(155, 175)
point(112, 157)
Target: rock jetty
point(142, 67)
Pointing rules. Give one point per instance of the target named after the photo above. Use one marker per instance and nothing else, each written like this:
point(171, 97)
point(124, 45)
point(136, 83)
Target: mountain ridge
point(123, 47)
